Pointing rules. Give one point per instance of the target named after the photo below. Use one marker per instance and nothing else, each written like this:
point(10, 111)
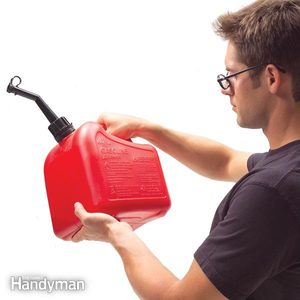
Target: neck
point(283, 127)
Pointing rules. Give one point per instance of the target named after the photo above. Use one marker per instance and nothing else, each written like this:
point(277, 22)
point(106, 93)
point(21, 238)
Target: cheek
point(243, 94)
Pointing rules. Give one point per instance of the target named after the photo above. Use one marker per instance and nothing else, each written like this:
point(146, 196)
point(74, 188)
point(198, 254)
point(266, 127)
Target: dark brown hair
point(266, 31)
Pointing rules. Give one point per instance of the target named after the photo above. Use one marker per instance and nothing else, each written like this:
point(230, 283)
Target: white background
point(154, 59)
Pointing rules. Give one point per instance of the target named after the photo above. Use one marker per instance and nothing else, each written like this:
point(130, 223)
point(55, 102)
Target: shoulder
point(274, 172)
point(258, 200)
point(286, 157)
point(254, 159)
point(258, 222)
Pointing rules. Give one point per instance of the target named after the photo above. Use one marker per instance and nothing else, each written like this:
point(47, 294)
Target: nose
point(227, 92)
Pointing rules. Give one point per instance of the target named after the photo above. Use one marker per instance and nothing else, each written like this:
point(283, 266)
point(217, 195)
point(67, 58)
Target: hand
point(95, 226)
point(122, 126)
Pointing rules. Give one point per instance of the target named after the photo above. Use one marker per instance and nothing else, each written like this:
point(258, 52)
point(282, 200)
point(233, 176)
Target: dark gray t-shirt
point(253, 249)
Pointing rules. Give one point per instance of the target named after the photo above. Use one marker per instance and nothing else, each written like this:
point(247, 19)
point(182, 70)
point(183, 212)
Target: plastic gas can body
point(106, 174)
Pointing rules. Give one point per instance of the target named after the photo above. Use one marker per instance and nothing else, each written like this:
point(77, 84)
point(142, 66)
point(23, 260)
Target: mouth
point(232, 104)
point(233, 107)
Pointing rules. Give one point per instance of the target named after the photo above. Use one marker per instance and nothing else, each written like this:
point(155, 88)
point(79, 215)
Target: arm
point(148, 277)
point(204, 156)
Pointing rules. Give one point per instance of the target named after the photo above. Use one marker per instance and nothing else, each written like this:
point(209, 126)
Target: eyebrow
point(228, 68)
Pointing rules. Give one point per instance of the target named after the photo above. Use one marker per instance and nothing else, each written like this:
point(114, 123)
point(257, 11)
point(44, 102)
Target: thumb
point(80, 211)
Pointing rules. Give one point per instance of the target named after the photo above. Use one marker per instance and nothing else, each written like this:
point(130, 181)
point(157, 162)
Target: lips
point(233, 106)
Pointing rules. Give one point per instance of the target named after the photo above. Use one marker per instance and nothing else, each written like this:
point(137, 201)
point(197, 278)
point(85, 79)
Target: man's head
point(265, 34)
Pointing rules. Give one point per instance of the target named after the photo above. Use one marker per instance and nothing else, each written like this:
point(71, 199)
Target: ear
point(273, 78)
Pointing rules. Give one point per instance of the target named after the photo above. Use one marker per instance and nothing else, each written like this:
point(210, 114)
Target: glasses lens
point(224, 83)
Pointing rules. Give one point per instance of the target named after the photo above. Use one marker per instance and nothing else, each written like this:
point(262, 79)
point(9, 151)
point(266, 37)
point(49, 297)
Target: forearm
point(206, 157)
point(148, 277)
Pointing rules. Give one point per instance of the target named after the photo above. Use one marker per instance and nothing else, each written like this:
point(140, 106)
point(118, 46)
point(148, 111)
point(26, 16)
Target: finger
point(101, 120)
point(80, 211)
point(77, 237)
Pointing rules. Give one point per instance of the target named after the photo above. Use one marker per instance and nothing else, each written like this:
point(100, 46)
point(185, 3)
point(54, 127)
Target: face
point(247, 100)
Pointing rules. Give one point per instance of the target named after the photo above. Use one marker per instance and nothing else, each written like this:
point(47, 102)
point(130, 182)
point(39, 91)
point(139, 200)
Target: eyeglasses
point(225, 83)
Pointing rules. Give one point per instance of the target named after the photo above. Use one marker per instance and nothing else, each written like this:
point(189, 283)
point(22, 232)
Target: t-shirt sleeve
point(251, 244)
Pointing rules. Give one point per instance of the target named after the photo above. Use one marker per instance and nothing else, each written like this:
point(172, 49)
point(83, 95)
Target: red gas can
point(105, 173)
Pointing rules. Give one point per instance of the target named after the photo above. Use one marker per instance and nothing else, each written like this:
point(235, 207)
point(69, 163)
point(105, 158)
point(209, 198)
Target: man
point(253, 249)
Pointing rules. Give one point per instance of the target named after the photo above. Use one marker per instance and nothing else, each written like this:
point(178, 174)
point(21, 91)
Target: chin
point(249, 125)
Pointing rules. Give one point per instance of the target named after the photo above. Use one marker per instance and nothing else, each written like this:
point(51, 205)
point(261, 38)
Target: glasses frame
point(221, 77)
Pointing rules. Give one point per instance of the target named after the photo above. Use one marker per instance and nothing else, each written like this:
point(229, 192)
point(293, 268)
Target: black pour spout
point(59, 127)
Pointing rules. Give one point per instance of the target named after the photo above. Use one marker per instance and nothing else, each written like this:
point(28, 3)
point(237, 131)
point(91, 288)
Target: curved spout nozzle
point(59, 127)
point(47, 111)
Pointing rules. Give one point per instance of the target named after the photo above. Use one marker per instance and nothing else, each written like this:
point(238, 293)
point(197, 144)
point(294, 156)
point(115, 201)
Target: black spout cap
point(59, 127)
